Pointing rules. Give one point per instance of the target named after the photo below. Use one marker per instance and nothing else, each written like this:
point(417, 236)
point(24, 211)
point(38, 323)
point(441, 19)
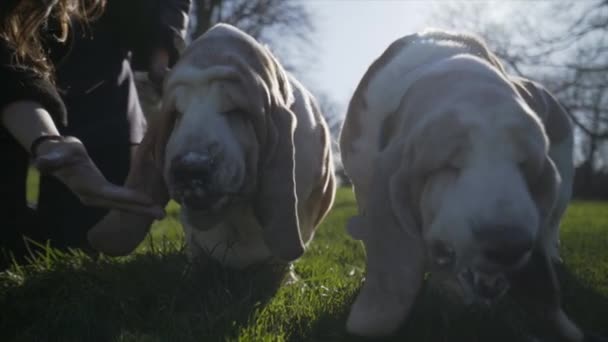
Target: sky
point(351, 34)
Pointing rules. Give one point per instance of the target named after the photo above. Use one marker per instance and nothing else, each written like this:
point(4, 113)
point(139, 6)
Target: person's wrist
point(159, 65)
point(159, 59)
point(44, 143)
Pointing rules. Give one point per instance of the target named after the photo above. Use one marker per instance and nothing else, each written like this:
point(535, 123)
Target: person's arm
point(67, 159)
point(159, 66)
point(27, 121)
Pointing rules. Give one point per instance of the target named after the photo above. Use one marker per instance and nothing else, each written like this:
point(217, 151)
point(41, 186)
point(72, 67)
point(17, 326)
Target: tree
point(334, 115)
point(254, 16)
point(569, 55)
point(271, 22)
point(266, 20)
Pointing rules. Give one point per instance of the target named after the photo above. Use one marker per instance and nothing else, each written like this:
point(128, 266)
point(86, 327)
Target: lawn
point(156, 295)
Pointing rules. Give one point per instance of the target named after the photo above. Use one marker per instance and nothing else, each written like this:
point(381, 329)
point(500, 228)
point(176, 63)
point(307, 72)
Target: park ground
point(155, 294)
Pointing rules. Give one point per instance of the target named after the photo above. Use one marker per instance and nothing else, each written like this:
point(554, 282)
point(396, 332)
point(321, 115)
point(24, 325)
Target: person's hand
point(159, 66)
point(68, 160)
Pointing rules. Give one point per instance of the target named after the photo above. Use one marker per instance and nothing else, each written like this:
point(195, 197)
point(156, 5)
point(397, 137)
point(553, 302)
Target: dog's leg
point(536, 288)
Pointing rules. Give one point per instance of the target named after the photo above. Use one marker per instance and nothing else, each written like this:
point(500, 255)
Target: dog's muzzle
point(483, 288)
point(191, 178)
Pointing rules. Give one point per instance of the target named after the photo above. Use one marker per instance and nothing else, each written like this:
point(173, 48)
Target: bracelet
point(36, 143)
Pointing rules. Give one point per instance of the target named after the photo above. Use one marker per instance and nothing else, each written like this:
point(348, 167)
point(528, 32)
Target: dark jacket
point(94, 82)
point(94, 71)
point(19, 84)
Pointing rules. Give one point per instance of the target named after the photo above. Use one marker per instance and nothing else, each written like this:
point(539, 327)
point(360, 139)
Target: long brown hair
point(22, 23)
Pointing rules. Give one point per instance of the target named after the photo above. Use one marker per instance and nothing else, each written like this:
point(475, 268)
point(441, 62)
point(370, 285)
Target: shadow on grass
point(586, 306)
point(164, 298)
point(159, 296)
point(147, 297)
point(435, 318)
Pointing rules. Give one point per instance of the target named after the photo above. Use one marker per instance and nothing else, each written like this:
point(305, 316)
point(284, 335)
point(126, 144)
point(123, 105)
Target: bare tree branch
point(569, 55)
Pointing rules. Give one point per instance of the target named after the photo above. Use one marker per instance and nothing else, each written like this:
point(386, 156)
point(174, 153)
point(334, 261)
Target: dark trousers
point(17, 219)
point(59, 218)
point(100, 119)
point(106, 116)
point(64, 218)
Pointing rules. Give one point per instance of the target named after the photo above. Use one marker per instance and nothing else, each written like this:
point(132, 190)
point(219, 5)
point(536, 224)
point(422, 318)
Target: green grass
point(156, 295)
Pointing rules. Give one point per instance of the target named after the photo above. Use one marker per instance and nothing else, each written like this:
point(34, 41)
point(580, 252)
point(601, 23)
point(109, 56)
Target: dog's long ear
point(394, 254)
point(544, 189)
point(119, 233)
point(558, 166)
point(551, 112)
point(276, 205)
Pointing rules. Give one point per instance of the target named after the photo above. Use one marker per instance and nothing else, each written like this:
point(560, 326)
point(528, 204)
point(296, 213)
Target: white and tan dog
point(458, 169)
point(242, 146)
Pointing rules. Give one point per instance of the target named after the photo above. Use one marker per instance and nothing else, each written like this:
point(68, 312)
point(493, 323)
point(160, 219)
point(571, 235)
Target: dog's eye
point(524, 168)
point(450, 166)
point(456, 161)
point(530, 171)
point(235, 112)
point(453, 167)
point(177, 114)
point(445, 170)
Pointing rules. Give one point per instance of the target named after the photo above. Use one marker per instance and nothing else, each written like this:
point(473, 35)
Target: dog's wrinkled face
point(212, 152)
point(480, 220)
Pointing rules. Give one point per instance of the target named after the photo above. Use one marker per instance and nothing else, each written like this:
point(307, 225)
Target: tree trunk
point(204, 15)
point(589, 170)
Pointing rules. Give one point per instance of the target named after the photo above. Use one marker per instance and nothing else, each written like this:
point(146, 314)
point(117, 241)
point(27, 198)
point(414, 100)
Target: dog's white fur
point(278, 161)
point(438, 138)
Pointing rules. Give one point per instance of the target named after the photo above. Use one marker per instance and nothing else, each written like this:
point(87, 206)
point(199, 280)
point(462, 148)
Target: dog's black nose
point(192, 180)
point(442, 254)
point(191, 166)
point(489, 288)
point(504, 245)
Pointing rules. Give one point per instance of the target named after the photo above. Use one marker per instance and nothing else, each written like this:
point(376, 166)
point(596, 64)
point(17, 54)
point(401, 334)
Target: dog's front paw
point(591, 337)
point(356, 227)
point(376, 313)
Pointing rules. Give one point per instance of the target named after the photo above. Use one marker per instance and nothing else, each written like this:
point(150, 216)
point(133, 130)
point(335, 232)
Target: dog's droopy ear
point(544, 190)
point(119, 233)
point(276, 205)
point(394, 257)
